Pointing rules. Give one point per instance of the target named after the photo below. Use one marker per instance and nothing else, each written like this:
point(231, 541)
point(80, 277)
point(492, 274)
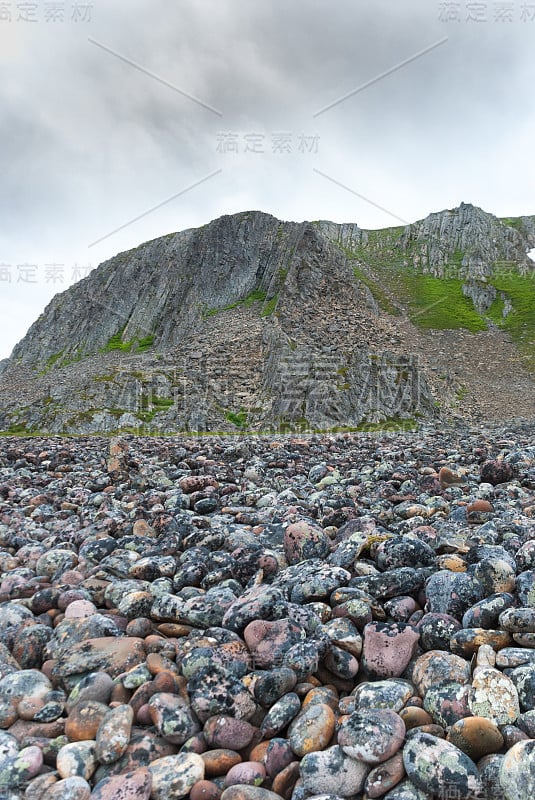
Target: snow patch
point(531, 254)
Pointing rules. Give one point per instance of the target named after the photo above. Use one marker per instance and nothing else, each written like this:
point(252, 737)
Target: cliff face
point(162, 288)
point(253, 323)
point(476, 242)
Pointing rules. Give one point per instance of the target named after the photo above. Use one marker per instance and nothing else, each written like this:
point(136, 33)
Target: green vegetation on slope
point(257, 296)
point(431, 302)
point(512, 222)
point(115, 342)
point(152, 405)
point(238, 419)
point(520, 322)
point(439, 302)
point(61, 360)
point(270, 306)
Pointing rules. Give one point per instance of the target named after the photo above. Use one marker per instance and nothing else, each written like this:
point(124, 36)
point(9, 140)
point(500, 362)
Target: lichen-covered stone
point(174, 776)
point(372, 736)
point(433, 764)
point(333, 772)
point(517, 771)
point(494, 696)
point(311, 729)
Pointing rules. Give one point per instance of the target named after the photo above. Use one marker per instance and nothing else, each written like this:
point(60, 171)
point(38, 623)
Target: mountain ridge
point(277, 299)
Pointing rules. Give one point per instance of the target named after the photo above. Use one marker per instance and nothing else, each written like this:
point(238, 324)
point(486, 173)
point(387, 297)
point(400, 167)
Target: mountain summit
point(253, 323)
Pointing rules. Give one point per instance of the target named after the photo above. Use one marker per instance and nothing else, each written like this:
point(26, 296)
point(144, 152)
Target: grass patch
point(270, 306)
point(239, 419)
point(156, 402)
point(145, 343)
point(495, 312)
point(512, 222)
point(61, 360)
point(152, 405)
point(257, 296)
point(520, 322)
point(115, 342)
point(461, 393)
point(53, 359)
point(377, 291)
point(440, 304)
point(300, 425)
point(432, 302)
point(18, 429)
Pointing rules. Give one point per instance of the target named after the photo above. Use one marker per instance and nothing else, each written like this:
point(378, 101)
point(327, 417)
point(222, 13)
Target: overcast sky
point(109, 109)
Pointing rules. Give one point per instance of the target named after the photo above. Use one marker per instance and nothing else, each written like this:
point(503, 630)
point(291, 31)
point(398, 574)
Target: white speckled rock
point(331, 771)
point(174, 776)
point(38, 787)
point(80, 608)
point(113, 733)
point(517, 771)
point(406, 790)
point(494, 696)
point(9, 746)
point(373, 735)
point(24, 683)
point(435, 765)
point(77, 759)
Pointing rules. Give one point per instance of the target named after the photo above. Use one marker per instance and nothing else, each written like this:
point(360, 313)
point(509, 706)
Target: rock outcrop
point(252, 323)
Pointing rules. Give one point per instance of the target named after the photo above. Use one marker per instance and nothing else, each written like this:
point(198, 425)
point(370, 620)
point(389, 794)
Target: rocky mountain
point(253, 323)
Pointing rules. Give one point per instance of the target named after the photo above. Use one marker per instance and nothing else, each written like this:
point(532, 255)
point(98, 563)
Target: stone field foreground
point(257, 618)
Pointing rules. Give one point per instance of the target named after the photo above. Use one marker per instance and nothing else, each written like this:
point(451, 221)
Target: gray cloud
point(89, 143)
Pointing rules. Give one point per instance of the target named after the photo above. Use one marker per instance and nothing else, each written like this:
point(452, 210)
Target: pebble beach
point(305, 617)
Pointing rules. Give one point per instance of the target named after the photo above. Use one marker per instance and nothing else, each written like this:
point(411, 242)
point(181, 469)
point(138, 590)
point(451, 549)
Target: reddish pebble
point(479, 505)
point(219, 761)
point(205, 790)
point(258, 752)
point(167, 681)
point(72, 577)
point(130, 785)
point(385, 776)
point(223, 731)
point(248, 772)
point(284, 782)
point(143, 715)
point(120, 694)
point(83, 722)
point(156, 663)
